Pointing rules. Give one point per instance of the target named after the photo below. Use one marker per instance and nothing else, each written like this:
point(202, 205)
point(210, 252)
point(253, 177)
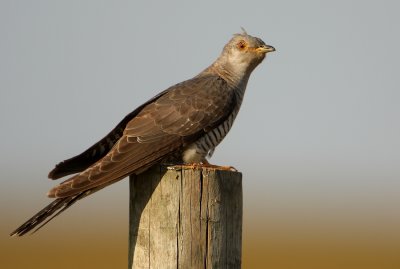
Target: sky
point(317, 137)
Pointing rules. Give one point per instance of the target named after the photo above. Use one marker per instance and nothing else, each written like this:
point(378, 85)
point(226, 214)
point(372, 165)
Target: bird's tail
point(47, 214)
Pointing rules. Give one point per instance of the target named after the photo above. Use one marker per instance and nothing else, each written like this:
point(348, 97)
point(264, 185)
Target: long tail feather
point(47, 214)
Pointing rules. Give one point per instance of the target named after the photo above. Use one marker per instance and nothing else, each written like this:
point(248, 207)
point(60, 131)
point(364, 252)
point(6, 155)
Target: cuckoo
point(183, 123)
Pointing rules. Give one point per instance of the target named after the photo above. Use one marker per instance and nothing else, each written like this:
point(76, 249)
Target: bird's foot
point(220, 167)
point(200, 166)
point(179, 167)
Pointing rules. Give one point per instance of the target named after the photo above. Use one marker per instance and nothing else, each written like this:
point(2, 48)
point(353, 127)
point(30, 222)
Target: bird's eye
point(241, 44)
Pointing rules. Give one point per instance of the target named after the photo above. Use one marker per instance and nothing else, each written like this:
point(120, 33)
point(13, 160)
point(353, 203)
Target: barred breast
point(203, 147)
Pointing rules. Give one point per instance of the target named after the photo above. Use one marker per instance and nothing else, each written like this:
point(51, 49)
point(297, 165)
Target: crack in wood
point(189, 218)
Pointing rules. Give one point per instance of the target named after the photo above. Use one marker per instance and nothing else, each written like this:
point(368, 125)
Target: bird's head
point(244, 52)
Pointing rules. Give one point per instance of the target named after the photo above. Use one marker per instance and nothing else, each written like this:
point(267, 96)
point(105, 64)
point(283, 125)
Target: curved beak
point(265, 49)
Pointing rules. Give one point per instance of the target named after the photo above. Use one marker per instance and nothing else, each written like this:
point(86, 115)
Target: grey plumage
point(187, 120)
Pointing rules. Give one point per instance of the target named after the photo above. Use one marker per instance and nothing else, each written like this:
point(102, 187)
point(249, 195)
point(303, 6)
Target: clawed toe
point(193, 166)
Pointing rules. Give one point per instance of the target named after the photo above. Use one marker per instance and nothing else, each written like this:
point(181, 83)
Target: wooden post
point(190, 218)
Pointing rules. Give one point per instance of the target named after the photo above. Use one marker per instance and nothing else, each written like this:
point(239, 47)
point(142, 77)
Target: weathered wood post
point(190, 218)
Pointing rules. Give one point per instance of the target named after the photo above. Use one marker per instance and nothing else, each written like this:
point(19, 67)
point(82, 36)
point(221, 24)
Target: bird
point(184, 123)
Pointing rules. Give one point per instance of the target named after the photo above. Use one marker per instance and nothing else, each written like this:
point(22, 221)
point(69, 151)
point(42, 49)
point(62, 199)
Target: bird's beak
point(265, 49)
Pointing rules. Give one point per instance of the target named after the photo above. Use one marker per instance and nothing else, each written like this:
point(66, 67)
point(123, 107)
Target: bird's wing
point(98, 150)
point(177, 118)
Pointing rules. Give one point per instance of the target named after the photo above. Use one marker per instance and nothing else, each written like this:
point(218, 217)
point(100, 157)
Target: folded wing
point(82, 161)
point(177, 118)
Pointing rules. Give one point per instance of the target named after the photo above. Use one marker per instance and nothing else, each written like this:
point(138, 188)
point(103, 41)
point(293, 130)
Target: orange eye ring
point(241, 45)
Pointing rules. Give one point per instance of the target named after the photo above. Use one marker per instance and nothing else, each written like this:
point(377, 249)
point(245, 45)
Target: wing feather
point(178, 117)
point(98, 150)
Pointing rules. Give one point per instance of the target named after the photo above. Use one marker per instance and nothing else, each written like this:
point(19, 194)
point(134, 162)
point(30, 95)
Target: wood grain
point(186, 218)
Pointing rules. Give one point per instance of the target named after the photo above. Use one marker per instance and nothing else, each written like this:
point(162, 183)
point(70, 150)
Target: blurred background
point(317, 139)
